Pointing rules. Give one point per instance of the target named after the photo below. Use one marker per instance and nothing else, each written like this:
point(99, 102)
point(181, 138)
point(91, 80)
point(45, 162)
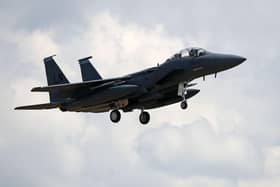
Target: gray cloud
point(196, 149)
point(237, 145)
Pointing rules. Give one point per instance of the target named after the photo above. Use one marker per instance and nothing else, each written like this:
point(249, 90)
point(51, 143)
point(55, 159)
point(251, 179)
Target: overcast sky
point(229, 136)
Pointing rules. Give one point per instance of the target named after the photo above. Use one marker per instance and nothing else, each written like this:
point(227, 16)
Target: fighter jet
point(155, 87)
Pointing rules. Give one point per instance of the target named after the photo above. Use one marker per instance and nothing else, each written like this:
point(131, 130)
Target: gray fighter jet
point(158, 86)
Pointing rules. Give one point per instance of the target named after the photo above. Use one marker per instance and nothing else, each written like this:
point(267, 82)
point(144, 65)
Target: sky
point(228, 137)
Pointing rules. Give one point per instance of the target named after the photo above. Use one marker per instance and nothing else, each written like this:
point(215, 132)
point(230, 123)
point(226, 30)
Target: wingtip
point(18, 108)
point(36, 89)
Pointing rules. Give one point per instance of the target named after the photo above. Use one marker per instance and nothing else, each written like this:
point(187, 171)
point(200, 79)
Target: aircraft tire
point(115, 116)
point(184, 105)
point(144, 118)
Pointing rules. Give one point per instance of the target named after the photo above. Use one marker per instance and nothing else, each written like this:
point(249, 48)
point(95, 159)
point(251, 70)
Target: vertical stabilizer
point(88, 71)
point(54, 76)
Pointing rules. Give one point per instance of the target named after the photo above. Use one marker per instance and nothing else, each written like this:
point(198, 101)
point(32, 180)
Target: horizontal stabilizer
point(38, 106)
point(76, 86)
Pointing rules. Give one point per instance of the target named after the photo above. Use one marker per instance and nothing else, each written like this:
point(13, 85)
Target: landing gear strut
point(144, 117)
point(115, 116)
point(183, 91)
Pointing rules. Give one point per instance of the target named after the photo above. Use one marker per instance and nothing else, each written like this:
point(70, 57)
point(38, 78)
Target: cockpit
point(189, 52)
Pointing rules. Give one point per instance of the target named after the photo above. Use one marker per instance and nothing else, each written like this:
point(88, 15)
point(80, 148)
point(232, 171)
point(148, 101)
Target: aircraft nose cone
point(235, 60)
point(240, 59)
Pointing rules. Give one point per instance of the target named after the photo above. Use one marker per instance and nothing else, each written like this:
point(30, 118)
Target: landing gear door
point(181, 88)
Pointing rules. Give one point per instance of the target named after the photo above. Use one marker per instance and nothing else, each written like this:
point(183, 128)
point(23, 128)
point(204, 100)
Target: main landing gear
point(144, 117)
point(115, 116)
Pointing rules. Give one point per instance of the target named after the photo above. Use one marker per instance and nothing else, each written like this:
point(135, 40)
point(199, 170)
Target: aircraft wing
point(39, 106)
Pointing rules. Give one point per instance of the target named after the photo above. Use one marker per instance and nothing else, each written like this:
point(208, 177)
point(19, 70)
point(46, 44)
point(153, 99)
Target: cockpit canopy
point(189, 52)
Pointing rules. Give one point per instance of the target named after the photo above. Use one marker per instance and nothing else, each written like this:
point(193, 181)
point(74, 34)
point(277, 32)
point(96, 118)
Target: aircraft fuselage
point(154, 87)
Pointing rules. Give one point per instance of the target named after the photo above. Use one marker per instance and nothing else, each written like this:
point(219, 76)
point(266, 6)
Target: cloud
point(196, 149)
point(262, 182)
point(235, 146)
point(130, 46)
point(35, 45)
point(49, 148)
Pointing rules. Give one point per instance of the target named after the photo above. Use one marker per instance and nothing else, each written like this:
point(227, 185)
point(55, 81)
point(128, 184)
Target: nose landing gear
point(184, 105)
point(183, 91)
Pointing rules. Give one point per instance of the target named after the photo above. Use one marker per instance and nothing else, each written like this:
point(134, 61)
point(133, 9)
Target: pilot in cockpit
point(193, 52)
point(196, 52)
point(189, 52)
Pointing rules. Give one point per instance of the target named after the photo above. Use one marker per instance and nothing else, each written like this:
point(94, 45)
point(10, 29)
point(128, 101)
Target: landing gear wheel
point(115, 116)
point(184, 105)
point(144, 118)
